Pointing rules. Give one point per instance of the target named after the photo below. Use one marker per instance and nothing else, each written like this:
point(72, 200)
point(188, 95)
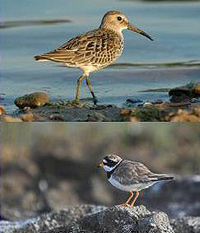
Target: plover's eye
point(104, 161)
point(119, 18)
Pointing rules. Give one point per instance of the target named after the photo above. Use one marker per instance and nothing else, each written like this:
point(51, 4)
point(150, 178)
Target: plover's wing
point(130, 172)
point(92, 48)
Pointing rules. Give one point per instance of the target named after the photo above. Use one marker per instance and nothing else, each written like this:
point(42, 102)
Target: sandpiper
point(95, 49)
point(130, 176)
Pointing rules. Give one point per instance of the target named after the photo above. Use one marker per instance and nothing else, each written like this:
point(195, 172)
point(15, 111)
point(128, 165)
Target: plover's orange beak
point(137, 30)
point(100, 165)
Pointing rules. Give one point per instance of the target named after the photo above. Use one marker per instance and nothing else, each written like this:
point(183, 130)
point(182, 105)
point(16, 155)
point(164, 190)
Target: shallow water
point(171, 60)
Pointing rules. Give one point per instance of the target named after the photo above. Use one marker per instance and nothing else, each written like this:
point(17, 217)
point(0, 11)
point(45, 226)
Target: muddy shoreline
point(149, 112)
point(183, 106)
point(162, 112)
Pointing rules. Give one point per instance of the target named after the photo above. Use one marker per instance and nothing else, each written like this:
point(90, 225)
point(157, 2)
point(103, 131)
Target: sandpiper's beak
point(100, 165)
point(135, 29)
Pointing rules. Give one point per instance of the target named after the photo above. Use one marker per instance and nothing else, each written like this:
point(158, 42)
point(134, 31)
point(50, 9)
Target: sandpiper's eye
point(119, 18)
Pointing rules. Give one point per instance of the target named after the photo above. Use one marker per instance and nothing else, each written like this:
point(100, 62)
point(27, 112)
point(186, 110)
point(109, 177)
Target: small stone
point(2, 110)
point(11, 119)
point(33, 100)
point(158, 101)
point(29, 117)
point(196, 89)
point(96, 117)
point(147, 104)
point(57, 117)
point(184, 116)
point(134, 119)
point(131, 103)
point(125, 112)
point(134, 101)
point(197, 111)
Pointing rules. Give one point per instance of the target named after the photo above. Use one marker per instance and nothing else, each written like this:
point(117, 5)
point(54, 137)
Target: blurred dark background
point(50, 166)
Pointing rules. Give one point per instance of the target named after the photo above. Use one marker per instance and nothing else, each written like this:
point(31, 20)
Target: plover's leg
point(128, 200)
point(78, 87)
point(88, 82)
point(135, 198)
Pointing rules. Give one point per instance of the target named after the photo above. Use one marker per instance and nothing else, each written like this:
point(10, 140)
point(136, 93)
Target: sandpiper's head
point(117, 21)
point(110, 162)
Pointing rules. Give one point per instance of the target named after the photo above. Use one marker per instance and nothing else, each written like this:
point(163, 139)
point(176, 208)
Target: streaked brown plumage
point(95, 49)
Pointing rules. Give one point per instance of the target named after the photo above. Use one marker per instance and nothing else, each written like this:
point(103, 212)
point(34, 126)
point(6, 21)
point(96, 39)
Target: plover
point(95, 49)
point(130, 176)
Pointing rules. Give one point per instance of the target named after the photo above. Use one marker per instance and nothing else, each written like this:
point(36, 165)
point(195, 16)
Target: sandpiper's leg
point(135, 198)
point(128, 200)
point(78, 87)
point(88, 82)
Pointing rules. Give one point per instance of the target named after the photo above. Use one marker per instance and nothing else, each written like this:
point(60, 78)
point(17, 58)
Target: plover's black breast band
point(111, 172)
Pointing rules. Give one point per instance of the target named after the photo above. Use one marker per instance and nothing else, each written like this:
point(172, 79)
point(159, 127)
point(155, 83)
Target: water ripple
point(192, 63)
point(22, 23)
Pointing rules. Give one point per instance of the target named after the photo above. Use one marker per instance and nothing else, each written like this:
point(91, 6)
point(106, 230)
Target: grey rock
point(92, 219)
point(121, 219)
point(56, 219)
point(186, 225)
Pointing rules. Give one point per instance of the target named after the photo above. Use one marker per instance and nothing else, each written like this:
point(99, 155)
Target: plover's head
point(117, 21)
point(110, 162)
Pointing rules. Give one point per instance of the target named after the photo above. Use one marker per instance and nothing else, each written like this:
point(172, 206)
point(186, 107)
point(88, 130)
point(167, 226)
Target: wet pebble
point(8, 118)
point(57, 117)
point(131, 103)
point(2, 110)
point(32, 100)
point(185, 116)
point(29, 117)
point(147, 104)
point(185, 93)
point(96, 117)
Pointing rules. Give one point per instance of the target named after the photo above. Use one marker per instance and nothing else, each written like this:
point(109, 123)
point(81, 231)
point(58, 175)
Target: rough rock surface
point(92, 219)
point(186, 225)
point(96, 219)
point(121, 219)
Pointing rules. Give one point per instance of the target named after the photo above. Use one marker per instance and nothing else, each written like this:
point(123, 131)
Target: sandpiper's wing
point(130, 172)
point(94, 47)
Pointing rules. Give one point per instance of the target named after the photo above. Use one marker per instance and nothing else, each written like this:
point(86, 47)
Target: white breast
point(127, 188)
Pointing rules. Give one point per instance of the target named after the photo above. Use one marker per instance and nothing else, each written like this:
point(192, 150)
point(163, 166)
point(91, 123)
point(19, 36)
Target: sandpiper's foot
point(95, 101)
point(125, 205)
point(75, 102)
point(79, 104)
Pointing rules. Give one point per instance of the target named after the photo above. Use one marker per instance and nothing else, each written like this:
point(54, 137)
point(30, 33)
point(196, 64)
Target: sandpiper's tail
point(160, 177)
point(37, 58)
point(166, 178)
point(41, 58)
